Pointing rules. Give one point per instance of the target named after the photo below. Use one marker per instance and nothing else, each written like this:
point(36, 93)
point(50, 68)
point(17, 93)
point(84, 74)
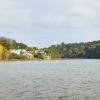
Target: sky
point(42, 23)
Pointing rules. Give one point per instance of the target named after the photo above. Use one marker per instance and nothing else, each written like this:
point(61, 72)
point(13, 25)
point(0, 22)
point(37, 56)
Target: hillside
point(63, 50)
point(11, 44)
point(75, 50)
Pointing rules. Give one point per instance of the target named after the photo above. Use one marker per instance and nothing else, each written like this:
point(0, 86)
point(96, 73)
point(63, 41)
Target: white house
point(17, 51)
point(23, 52)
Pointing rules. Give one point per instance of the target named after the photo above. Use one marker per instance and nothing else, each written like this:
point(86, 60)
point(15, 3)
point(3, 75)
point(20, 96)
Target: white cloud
point(49, 14)
point(12, 15)
point(67, 14)
point(49, 21)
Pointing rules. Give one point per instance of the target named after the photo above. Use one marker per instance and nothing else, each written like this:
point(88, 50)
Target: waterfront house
point(43, 55)
point(23, 52)
point(17, 51)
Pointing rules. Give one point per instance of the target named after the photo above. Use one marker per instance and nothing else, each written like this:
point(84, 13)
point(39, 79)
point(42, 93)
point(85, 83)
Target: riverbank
point(47, 60)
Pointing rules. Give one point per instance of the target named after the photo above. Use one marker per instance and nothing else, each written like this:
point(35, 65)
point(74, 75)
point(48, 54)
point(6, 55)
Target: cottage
point(43, 55)
point(23, 52)
point(17, 51)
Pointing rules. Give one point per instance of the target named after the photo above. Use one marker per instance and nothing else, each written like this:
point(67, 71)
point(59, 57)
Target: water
point(50, 80)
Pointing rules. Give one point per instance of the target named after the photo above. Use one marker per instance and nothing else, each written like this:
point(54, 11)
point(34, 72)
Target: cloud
point(49, 21)
point(52, 14)
point(66, 14)
point(12, 15)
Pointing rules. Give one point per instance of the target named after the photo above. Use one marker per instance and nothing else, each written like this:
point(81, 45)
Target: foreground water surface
point(50, 80)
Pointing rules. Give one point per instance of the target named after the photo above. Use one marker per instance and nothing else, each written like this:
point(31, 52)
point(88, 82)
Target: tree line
point(75, 50)
point(59, 51)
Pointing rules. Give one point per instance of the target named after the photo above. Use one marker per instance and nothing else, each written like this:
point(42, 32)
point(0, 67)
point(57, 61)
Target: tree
point(3, 52)
point(97, 51)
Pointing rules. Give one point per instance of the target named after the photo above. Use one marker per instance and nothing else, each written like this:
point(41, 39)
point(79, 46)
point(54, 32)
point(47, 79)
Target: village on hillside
point(11, 50)
point(22, 54)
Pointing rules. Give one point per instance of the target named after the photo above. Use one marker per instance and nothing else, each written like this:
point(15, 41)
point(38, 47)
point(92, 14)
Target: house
point(17, 51)
point(28, 54)
point(43, 55)
point(23, 52)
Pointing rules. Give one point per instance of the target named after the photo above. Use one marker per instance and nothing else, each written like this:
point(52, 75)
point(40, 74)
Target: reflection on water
point(50, 80)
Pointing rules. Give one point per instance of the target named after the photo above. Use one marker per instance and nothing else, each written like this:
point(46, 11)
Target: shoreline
point(13, 60)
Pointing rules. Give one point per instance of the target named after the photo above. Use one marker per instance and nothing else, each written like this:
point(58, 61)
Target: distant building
point(22, 52)
point(17, 51)
point(28, 54)
point(43, 55)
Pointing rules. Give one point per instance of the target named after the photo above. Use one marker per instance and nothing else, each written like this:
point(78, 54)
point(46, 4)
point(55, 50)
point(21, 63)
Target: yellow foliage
point(3, 52)
point(46, 57)
point(1, 47)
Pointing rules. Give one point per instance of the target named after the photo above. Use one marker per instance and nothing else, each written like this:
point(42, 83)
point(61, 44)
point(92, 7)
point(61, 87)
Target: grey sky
point(44, 22)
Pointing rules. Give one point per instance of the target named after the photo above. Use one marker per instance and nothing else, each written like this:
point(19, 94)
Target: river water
point(77, 79)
